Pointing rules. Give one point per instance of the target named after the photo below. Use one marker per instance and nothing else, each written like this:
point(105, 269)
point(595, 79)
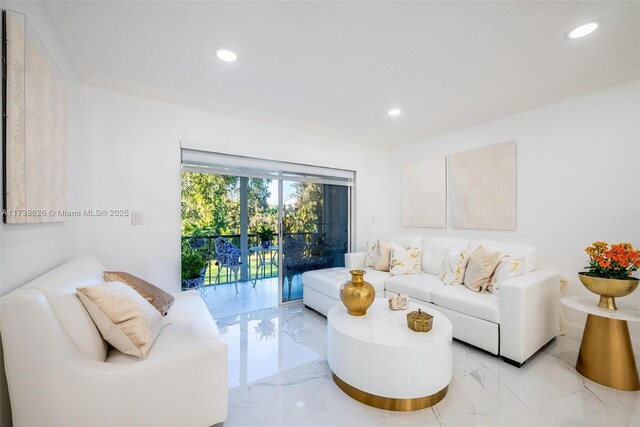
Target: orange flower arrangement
point(615, 262)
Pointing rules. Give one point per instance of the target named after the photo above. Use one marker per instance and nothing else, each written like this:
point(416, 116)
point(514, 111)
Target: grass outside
point(226, 275)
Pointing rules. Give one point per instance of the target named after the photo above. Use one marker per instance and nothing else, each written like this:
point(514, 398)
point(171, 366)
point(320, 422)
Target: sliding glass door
point(279, 220)
point(315, 231)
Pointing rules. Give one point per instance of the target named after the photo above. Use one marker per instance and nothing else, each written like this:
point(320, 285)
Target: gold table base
point(606, 355)
point(390, 403)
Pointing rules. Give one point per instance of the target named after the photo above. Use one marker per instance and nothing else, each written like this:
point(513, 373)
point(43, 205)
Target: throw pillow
point(482, 263)
point(404, 261)
point(378, 255)
point(125, 319)
point(507, 268)
point(453, 268)
point(370, 256)
point(158, 298)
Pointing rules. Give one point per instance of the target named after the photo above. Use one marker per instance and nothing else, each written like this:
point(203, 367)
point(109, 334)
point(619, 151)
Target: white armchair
point(57, 375)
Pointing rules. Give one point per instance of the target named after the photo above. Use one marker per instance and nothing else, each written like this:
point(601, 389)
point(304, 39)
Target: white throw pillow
point(432, 263)
point(370, 256)
point(378, 255)
point(125, 319)
point(404, 261)
point(507, 268)
point(453, 268)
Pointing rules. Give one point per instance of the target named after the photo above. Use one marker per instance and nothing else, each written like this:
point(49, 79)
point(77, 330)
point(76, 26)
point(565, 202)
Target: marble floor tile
point(278, 376)
point(223, 301)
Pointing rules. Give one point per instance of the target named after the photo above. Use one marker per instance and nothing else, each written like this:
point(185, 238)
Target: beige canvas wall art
point(423, 193)
point(483, 187)
point(36, 138)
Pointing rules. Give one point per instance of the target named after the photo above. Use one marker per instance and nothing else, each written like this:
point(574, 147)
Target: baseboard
point(575, 330)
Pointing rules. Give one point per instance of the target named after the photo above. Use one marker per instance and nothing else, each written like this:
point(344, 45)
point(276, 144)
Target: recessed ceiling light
point(583, 30)
point(394, 112)
point(226, 55)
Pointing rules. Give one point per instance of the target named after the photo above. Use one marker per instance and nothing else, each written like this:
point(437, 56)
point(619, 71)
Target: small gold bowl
point(608, 289)
point(419, 321)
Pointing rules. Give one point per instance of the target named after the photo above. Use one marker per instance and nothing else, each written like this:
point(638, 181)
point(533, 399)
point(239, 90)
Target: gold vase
point(356, 294)
point(608, 289)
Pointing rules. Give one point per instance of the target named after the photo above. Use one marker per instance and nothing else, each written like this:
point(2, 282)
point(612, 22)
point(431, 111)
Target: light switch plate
point(136, 218)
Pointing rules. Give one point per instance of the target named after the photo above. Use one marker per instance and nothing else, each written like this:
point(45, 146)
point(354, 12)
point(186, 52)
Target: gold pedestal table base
point(606, 355)
point(390, 403)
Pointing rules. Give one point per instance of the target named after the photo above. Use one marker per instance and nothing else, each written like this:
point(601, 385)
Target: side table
point(606, 355)
point(262, 261)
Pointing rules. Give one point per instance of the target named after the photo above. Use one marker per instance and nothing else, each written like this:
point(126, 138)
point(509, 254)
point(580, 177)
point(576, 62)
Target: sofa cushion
point(434, 249)
point(432, 263)
point(329, 280)
point(406, 241)
point(526, 252)
point(188, 326)
point(459, 298)
point(417, 286)
point(59, 287)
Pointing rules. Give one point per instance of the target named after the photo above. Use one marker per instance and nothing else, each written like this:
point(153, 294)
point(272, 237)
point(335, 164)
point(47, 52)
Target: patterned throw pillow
point(507, 268)
point(482, 263)
point(378, 255)
point(405, 261)
point(453, 268)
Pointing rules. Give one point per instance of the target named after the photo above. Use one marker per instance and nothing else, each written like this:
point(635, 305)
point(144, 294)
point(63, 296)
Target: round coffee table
point(377, 360)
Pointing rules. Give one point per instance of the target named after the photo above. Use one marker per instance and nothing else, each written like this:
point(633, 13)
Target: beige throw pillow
point(405, 261)
point(158, 298)
point(482, 263)
point(378, 255)
point(125, 319)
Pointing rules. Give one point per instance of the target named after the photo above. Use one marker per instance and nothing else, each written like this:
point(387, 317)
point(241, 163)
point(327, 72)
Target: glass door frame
point(350, 234)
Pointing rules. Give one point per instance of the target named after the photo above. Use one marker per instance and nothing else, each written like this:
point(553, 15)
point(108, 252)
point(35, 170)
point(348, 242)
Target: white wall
point(26, 251)
point(131, 160)
point(577, 180)
point(30, 250)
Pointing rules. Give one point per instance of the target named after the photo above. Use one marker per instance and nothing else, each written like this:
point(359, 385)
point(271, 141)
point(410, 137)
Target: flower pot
point(356, 294)
point(265, 244)
point(608, 289)
point(195, 282)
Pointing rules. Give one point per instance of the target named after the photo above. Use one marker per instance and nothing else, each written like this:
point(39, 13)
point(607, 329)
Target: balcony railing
point(205, 244)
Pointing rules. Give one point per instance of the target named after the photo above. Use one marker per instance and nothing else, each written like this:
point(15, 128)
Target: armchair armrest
point(529, 313)
point(354, 259)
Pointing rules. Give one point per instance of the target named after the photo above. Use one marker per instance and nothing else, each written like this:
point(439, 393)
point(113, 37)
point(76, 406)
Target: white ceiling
point(337, 67)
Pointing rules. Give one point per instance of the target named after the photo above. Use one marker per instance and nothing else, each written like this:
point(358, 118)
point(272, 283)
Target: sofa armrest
point(354, 259)
point(529, 313)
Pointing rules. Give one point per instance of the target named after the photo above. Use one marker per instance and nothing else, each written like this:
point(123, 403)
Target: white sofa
point(514, 322)
point(61, 372)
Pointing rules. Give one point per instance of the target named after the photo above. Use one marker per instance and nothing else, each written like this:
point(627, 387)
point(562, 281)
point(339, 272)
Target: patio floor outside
point(223, 300)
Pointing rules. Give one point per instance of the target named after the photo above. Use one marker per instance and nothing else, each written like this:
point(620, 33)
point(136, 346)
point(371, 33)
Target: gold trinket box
point(419, 321)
